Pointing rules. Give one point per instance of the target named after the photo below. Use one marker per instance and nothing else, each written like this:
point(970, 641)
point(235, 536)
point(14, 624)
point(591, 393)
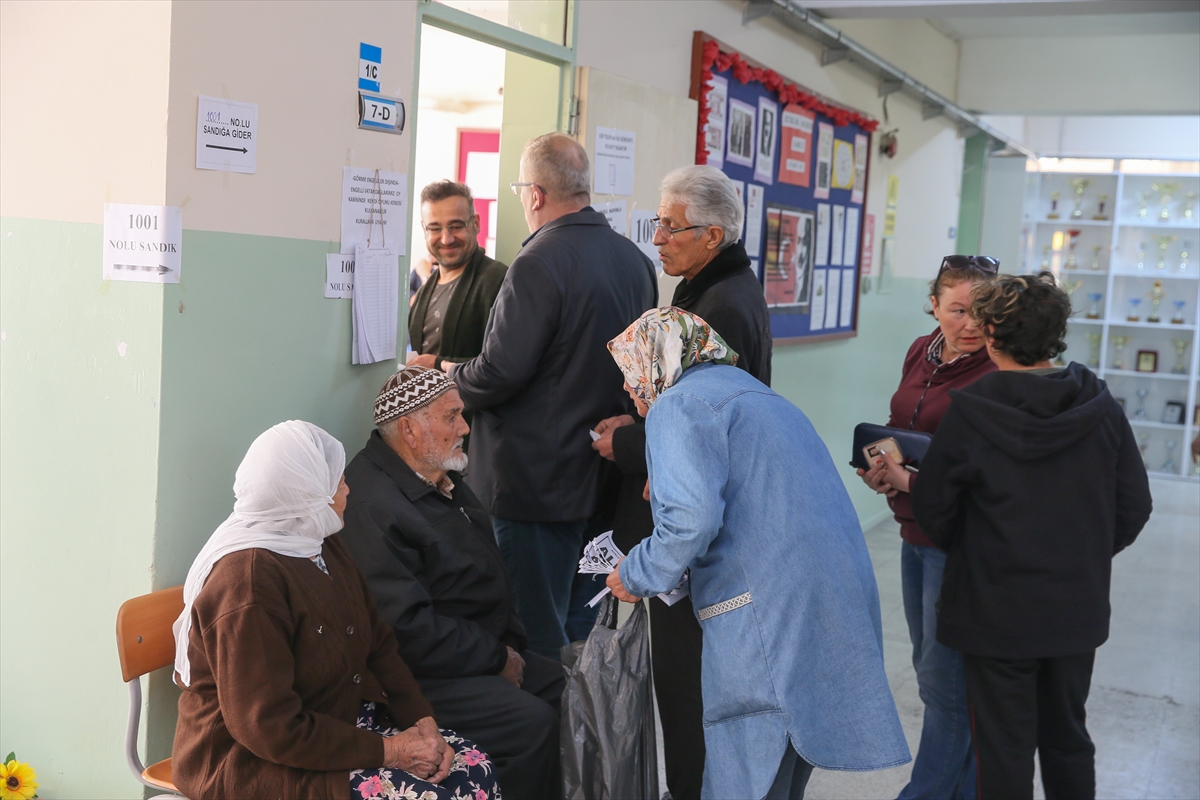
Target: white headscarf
point(283, 489)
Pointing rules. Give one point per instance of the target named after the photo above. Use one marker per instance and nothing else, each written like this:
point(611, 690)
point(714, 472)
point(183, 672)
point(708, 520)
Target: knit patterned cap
point(409, 389)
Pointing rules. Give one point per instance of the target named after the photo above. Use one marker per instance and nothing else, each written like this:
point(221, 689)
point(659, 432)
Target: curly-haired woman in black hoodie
point(1032, 484)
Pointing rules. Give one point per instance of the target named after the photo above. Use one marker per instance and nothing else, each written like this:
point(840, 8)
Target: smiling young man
point(451, 309)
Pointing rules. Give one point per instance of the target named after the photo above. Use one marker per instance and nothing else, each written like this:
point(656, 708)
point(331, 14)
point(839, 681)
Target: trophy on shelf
point(1144, 445)
point(1046, 257)
point(1163, 241)
point(1164, 192)
point(1140, 413)
point(1141, 262)
point(1100, 216)
point(1093, 311)
point(1183, 255)
point(1181, 346)
point(1054, 206)
point(1070, 287)
point(1169, 464)
point(1079, 185)
point(1177, 317)
point(1189, 201)
point(1072, 240)
point(1156, 296)
point(1119, 341)
point(1094, 340)
point(1134, 315)
point(1096, 257)
point(1143, 199)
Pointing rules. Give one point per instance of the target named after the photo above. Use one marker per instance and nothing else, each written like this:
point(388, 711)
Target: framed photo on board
point(741, 134)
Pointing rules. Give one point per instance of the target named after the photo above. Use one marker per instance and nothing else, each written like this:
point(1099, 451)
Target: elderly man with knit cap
point(428, 551)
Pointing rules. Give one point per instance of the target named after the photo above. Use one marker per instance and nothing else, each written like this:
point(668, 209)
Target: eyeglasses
point(982, 263)
point(455, 228)
point(516, 187)
point(670, 232)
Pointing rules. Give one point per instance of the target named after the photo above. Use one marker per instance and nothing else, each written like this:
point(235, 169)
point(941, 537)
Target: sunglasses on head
point(983, 263)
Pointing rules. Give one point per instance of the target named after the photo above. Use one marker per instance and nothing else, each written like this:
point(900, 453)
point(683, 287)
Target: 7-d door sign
point(226, 135)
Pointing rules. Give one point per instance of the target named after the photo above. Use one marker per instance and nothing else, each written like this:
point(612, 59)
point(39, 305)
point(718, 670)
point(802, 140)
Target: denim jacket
point(746, 496)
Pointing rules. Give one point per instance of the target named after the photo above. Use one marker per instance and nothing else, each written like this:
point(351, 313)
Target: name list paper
point(374, 210)
point(376, 291)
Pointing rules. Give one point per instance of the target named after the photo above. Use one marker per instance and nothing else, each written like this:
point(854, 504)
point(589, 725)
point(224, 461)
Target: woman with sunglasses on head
point(951, 357)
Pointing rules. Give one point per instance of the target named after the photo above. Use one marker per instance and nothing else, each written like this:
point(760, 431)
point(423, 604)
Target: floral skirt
point(471, 777)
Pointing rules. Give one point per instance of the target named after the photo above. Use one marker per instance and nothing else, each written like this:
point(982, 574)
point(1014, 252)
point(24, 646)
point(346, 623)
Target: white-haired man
point(426, 546)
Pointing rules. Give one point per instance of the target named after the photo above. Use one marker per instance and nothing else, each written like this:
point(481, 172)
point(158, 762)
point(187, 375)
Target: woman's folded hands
point(419, 750)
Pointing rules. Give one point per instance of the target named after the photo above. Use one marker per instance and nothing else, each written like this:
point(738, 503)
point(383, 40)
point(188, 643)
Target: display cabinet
point(1121, 235)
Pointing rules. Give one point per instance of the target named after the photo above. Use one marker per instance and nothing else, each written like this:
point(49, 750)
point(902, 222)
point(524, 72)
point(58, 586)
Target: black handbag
point(913, 444)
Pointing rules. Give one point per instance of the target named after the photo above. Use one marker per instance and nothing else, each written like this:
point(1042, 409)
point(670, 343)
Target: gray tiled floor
point(1144, 709)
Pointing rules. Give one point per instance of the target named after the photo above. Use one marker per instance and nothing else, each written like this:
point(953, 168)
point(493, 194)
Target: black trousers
point(516, 727)
point(676, 642)
point(1019, 706)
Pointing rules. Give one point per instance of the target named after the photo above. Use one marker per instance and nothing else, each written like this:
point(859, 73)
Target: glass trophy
point(1079, 186)
point(1141, 262)
point(1156, 296)
point(1163, 241)
point(1046, 257)
point(1181, 346)
point(1164, 192)
point(1054, 206)
point(1144, 445)
point(1183, 255)
point(1094, 340)
point(1119, 341)
point(1096, 257)
point(1100, 215)
point(1189, 203)
point(1134, 315)
point(1070, 287)
point(1177, 317)
point(1169, 464)
point(1143, 199)
point(1072, 240)
point(1093, 311)
point(1140, 413)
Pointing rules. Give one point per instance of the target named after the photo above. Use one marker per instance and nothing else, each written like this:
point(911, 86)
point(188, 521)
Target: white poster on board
point(768, 127)
point(614, 212)
point(755, 204)
point(714, 129)
point(832, 295)
point(823, 223)
point(374, 209)
point(613, 171)
point(816, 316)
point(850, 253)
point(839, 232)
point(143, 244)
point(824, 161)
point(845, 315)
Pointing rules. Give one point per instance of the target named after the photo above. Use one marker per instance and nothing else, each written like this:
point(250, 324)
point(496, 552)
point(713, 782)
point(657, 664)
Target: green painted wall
point(78, 474)
point(974, 178)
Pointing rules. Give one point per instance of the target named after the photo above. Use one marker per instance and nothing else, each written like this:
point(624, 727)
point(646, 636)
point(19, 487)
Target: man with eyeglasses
point(543, 379)
point(450, 311)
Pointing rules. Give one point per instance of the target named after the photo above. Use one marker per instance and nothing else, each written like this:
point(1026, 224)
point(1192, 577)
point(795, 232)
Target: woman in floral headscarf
point(747, 500)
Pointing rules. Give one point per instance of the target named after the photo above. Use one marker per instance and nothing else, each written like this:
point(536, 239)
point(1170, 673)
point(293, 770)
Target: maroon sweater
point(921, 373)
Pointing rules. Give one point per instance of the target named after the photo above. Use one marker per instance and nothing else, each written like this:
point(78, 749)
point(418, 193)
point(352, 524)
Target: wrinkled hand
point(428, 361)
point(617, 588)
point(514, 668)
point(433, 736)
point(603, 445)
point(894, 474)
point(875, 478)
point(415, 751)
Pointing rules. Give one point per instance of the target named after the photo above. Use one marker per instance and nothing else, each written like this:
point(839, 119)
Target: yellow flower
point(17, 781)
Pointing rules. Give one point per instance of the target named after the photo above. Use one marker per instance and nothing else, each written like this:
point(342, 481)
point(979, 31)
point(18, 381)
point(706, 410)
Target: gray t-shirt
point(435, 315)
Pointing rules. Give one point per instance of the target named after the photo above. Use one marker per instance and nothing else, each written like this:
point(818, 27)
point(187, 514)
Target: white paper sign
point(839, 233)
point(613, 171)
point(374, 210)
point(143, 244)
point(339, 276)
point(376, 304)
point(768, 128)
point(822, 235)
point(714, 129)
point(832, 289)
point(226, 135)
point(755, 204)
point(849, 255)
point(844, 316)
point(641, 225)
point(740, 188)
point(816, 317)
point(614, 212)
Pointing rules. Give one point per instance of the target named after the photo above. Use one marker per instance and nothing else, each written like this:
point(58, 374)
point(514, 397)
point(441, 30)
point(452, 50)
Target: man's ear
point(715, 235)
point(408, 432)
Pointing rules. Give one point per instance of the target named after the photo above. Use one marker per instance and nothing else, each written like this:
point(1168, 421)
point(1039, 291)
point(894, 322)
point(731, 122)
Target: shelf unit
point(1118, 259)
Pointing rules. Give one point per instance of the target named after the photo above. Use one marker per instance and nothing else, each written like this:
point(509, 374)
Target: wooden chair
point(145, 643)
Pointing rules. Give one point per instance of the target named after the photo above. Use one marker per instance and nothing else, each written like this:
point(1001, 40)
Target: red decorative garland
point(787, 93)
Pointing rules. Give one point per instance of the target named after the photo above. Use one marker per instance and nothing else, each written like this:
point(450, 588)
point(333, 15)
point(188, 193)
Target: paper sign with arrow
point(143, 244)
point(226, 135)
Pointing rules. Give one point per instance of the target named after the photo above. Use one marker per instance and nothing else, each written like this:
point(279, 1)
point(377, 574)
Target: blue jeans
point(945, 765)
point(548, 593)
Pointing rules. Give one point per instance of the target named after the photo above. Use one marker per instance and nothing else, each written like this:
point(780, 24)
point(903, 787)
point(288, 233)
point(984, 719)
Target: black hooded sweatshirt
point(1032, 484)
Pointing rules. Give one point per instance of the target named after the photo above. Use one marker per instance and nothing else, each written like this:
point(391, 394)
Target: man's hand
point(428, 361)
point(514, 668)
point(603, 445)
point(617, 588)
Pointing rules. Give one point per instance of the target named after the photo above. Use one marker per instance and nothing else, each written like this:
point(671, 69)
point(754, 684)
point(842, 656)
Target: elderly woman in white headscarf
point(292, 685)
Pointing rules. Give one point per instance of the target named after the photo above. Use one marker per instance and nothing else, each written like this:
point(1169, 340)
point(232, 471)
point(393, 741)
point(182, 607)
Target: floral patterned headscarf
point(664, 342)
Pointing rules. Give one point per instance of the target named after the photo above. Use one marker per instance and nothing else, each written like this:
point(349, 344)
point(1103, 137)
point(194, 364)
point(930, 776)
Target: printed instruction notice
point(613, 170)
point(143, 244)
point(226, 135)
point(374, 209)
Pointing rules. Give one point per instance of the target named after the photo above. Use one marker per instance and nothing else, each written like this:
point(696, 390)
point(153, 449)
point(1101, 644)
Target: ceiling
point(980, 19)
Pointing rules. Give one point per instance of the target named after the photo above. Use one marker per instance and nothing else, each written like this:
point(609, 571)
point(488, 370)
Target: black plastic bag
point(608, 742)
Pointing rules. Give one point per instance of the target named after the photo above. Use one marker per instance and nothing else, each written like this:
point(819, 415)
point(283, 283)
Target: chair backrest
point(144, 638)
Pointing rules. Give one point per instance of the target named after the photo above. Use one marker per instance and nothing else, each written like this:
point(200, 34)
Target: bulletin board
point(801, 164)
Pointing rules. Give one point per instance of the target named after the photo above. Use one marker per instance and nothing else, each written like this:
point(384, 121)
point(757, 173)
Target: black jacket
point(467, 312)
point(1032, 484)
point(432, 565)
point(727, 295)
point(545, 376)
